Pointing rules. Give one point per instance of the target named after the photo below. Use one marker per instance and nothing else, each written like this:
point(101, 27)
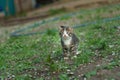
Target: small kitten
point(69, 41)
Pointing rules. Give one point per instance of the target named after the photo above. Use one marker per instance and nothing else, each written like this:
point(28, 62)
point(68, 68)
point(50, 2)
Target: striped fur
point(69, 41)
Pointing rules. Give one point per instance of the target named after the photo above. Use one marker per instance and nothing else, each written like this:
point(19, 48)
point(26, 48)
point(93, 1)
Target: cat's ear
point(70, 29)
point(61, 27)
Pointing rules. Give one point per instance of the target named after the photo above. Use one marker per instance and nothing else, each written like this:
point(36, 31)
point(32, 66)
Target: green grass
point(99, 13)
point(91, 73)
point(26, 56)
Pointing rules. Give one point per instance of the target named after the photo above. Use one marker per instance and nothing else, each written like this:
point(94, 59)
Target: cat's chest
point(67, 42)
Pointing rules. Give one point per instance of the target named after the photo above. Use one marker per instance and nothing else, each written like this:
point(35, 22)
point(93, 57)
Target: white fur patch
point(65, 33)
point(67, 42)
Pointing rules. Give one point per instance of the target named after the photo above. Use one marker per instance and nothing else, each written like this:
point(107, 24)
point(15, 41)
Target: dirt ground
point(70, 6)
point(101, 74)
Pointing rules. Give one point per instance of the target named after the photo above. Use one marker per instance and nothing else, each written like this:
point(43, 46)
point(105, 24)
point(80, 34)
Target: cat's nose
point(65, 36)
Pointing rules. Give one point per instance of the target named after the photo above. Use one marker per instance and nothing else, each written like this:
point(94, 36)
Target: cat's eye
point(70, 34)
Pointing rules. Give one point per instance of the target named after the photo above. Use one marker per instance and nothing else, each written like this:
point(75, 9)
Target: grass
point(39, 57)
point(99, 13)
point(91, 73)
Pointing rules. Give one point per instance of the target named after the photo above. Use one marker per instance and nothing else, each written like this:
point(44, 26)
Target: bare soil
point(101, 73)
point(43, 13)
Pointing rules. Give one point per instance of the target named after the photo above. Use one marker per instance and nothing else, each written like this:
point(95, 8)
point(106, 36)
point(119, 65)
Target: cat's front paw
point(66, 56)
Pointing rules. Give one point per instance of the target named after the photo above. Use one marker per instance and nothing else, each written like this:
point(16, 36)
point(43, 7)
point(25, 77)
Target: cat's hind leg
point(74, 51)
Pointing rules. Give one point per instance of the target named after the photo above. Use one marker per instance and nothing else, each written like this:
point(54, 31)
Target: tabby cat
point(69, 41)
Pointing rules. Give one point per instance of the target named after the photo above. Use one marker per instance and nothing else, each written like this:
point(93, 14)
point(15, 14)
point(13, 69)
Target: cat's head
point(65, 32)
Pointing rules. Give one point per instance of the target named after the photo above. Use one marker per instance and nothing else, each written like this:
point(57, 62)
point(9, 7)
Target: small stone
point(46, 69)
point(85, 79)
point(75, 56)
point(54, 72)
point(84, 66)
point(82, 74)
point(71, 73)
point(113, 53)
point(56, 61)
point(66, 58)
point(13, 76)
point(68, 70)
point(89, 63)
point(111, 46)
point(98, 65)
point(79, 75)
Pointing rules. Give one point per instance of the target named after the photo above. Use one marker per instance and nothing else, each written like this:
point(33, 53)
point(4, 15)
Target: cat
point(69, 41)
